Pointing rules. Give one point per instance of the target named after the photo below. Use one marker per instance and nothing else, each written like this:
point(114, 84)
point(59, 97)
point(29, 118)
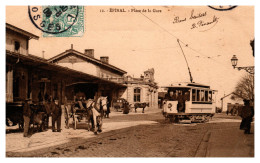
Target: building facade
point(28, 76)
point(68, 75)
point(141, 90)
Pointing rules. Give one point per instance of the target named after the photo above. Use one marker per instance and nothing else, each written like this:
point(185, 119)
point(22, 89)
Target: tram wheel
point(171, 119)
point(176, 120)
point(192, 118)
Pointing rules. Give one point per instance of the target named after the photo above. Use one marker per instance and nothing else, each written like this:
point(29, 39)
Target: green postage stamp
point(58, 21)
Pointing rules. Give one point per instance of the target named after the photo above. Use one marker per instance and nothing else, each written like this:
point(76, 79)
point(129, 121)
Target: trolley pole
point(191, 79)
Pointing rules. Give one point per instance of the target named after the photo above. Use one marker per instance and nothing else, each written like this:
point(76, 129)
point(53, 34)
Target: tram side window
point(193, 94)
point(202, 95)
point(210, 95)
point(198, 95)
point(206, 95)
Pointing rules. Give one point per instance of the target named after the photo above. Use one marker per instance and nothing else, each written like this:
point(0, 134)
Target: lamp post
point(249, 69)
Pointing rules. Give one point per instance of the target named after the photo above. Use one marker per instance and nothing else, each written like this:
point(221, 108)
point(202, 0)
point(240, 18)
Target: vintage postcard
point(129, 81)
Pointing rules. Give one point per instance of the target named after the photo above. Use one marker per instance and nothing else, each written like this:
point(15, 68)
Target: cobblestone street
point(140, 135)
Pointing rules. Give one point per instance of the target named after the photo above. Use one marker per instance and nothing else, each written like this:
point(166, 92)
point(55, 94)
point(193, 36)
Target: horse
point(98, 110)
point(95, 112)
point(141, 105)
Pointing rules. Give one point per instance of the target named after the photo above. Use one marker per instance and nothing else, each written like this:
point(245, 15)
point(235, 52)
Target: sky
point(136, 41)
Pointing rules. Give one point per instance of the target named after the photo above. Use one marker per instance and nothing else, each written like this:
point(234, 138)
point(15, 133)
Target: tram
point(189, 101)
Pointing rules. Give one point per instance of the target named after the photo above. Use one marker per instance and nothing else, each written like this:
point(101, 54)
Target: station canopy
point(41, 63)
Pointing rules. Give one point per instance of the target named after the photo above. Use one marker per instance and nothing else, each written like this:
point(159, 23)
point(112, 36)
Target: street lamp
point(249, 69)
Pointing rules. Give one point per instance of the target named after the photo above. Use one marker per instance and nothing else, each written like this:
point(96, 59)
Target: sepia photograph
point(129, 81)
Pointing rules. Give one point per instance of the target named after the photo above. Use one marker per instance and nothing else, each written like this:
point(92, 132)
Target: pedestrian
point(56, 115)
point(247, 114)
point(27, 113)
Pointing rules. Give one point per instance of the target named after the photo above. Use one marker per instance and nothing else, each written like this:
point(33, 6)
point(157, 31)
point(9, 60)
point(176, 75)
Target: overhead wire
point(177, 38)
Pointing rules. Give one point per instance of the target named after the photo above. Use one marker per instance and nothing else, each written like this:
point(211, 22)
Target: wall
point(148, 94)
point(9, 83)
point(82, 65)
point(11, 38)
point(107, 74)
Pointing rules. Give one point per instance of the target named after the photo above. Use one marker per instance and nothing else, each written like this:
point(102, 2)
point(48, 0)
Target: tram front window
point(178, 95)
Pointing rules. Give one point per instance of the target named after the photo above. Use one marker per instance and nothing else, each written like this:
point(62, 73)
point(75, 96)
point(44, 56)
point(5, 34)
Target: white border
point(124, 2)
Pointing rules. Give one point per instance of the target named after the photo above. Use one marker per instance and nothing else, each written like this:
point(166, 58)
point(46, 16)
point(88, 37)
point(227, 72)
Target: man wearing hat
point(56, 115)
point(247, 114)
point(26, 116)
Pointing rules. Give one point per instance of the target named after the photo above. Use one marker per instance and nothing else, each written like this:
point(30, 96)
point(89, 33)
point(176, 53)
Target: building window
point(137, 95)
point(16, 46)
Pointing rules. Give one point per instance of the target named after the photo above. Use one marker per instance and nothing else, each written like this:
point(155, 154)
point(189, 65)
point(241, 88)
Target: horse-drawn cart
point(76, 114)
point(88, 111)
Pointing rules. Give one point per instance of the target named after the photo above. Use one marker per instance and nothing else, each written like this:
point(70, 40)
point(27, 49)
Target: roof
point(152, 84)
point(43, 64)
point(21, 31)
point(186, 85)
point(91, 59)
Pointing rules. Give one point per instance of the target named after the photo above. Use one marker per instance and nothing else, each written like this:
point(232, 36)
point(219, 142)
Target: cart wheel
point(74, 122)
point(67, 116)
point(75, 125)
point(67, 123)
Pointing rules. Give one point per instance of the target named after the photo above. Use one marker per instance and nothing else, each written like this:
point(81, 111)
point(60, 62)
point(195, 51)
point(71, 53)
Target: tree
point(252, 44)
point(245, 88)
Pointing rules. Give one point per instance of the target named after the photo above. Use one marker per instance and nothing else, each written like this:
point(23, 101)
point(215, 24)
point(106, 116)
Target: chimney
point(89, 52)
point(43, 54)
point(104, 59)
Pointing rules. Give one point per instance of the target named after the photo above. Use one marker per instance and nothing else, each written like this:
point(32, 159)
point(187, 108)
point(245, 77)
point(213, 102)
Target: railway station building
point(29, 76)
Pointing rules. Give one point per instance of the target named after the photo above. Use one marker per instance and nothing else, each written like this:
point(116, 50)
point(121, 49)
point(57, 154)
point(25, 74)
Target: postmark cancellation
point(58, 21)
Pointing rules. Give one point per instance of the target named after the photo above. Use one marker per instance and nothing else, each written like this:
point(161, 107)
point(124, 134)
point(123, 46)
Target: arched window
point(137, 95)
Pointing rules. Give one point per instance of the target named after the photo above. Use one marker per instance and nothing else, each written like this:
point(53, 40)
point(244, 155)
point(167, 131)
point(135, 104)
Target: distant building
point(141, 90)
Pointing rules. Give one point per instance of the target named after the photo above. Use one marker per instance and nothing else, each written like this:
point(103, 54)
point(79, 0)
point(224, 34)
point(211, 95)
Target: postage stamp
point(58, 21)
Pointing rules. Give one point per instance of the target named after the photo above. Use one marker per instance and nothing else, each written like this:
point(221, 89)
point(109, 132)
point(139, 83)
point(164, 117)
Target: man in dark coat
point(171, 96)
point(247, 114)
point(56, 115)
point(27, 113)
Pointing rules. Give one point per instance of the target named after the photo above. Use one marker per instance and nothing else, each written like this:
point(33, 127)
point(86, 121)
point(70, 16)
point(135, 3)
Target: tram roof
point(187, 85)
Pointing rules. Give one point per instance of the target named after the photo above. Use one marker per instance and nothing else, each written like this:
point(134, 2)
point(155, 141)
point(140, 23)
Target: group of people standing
point(50, 107)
